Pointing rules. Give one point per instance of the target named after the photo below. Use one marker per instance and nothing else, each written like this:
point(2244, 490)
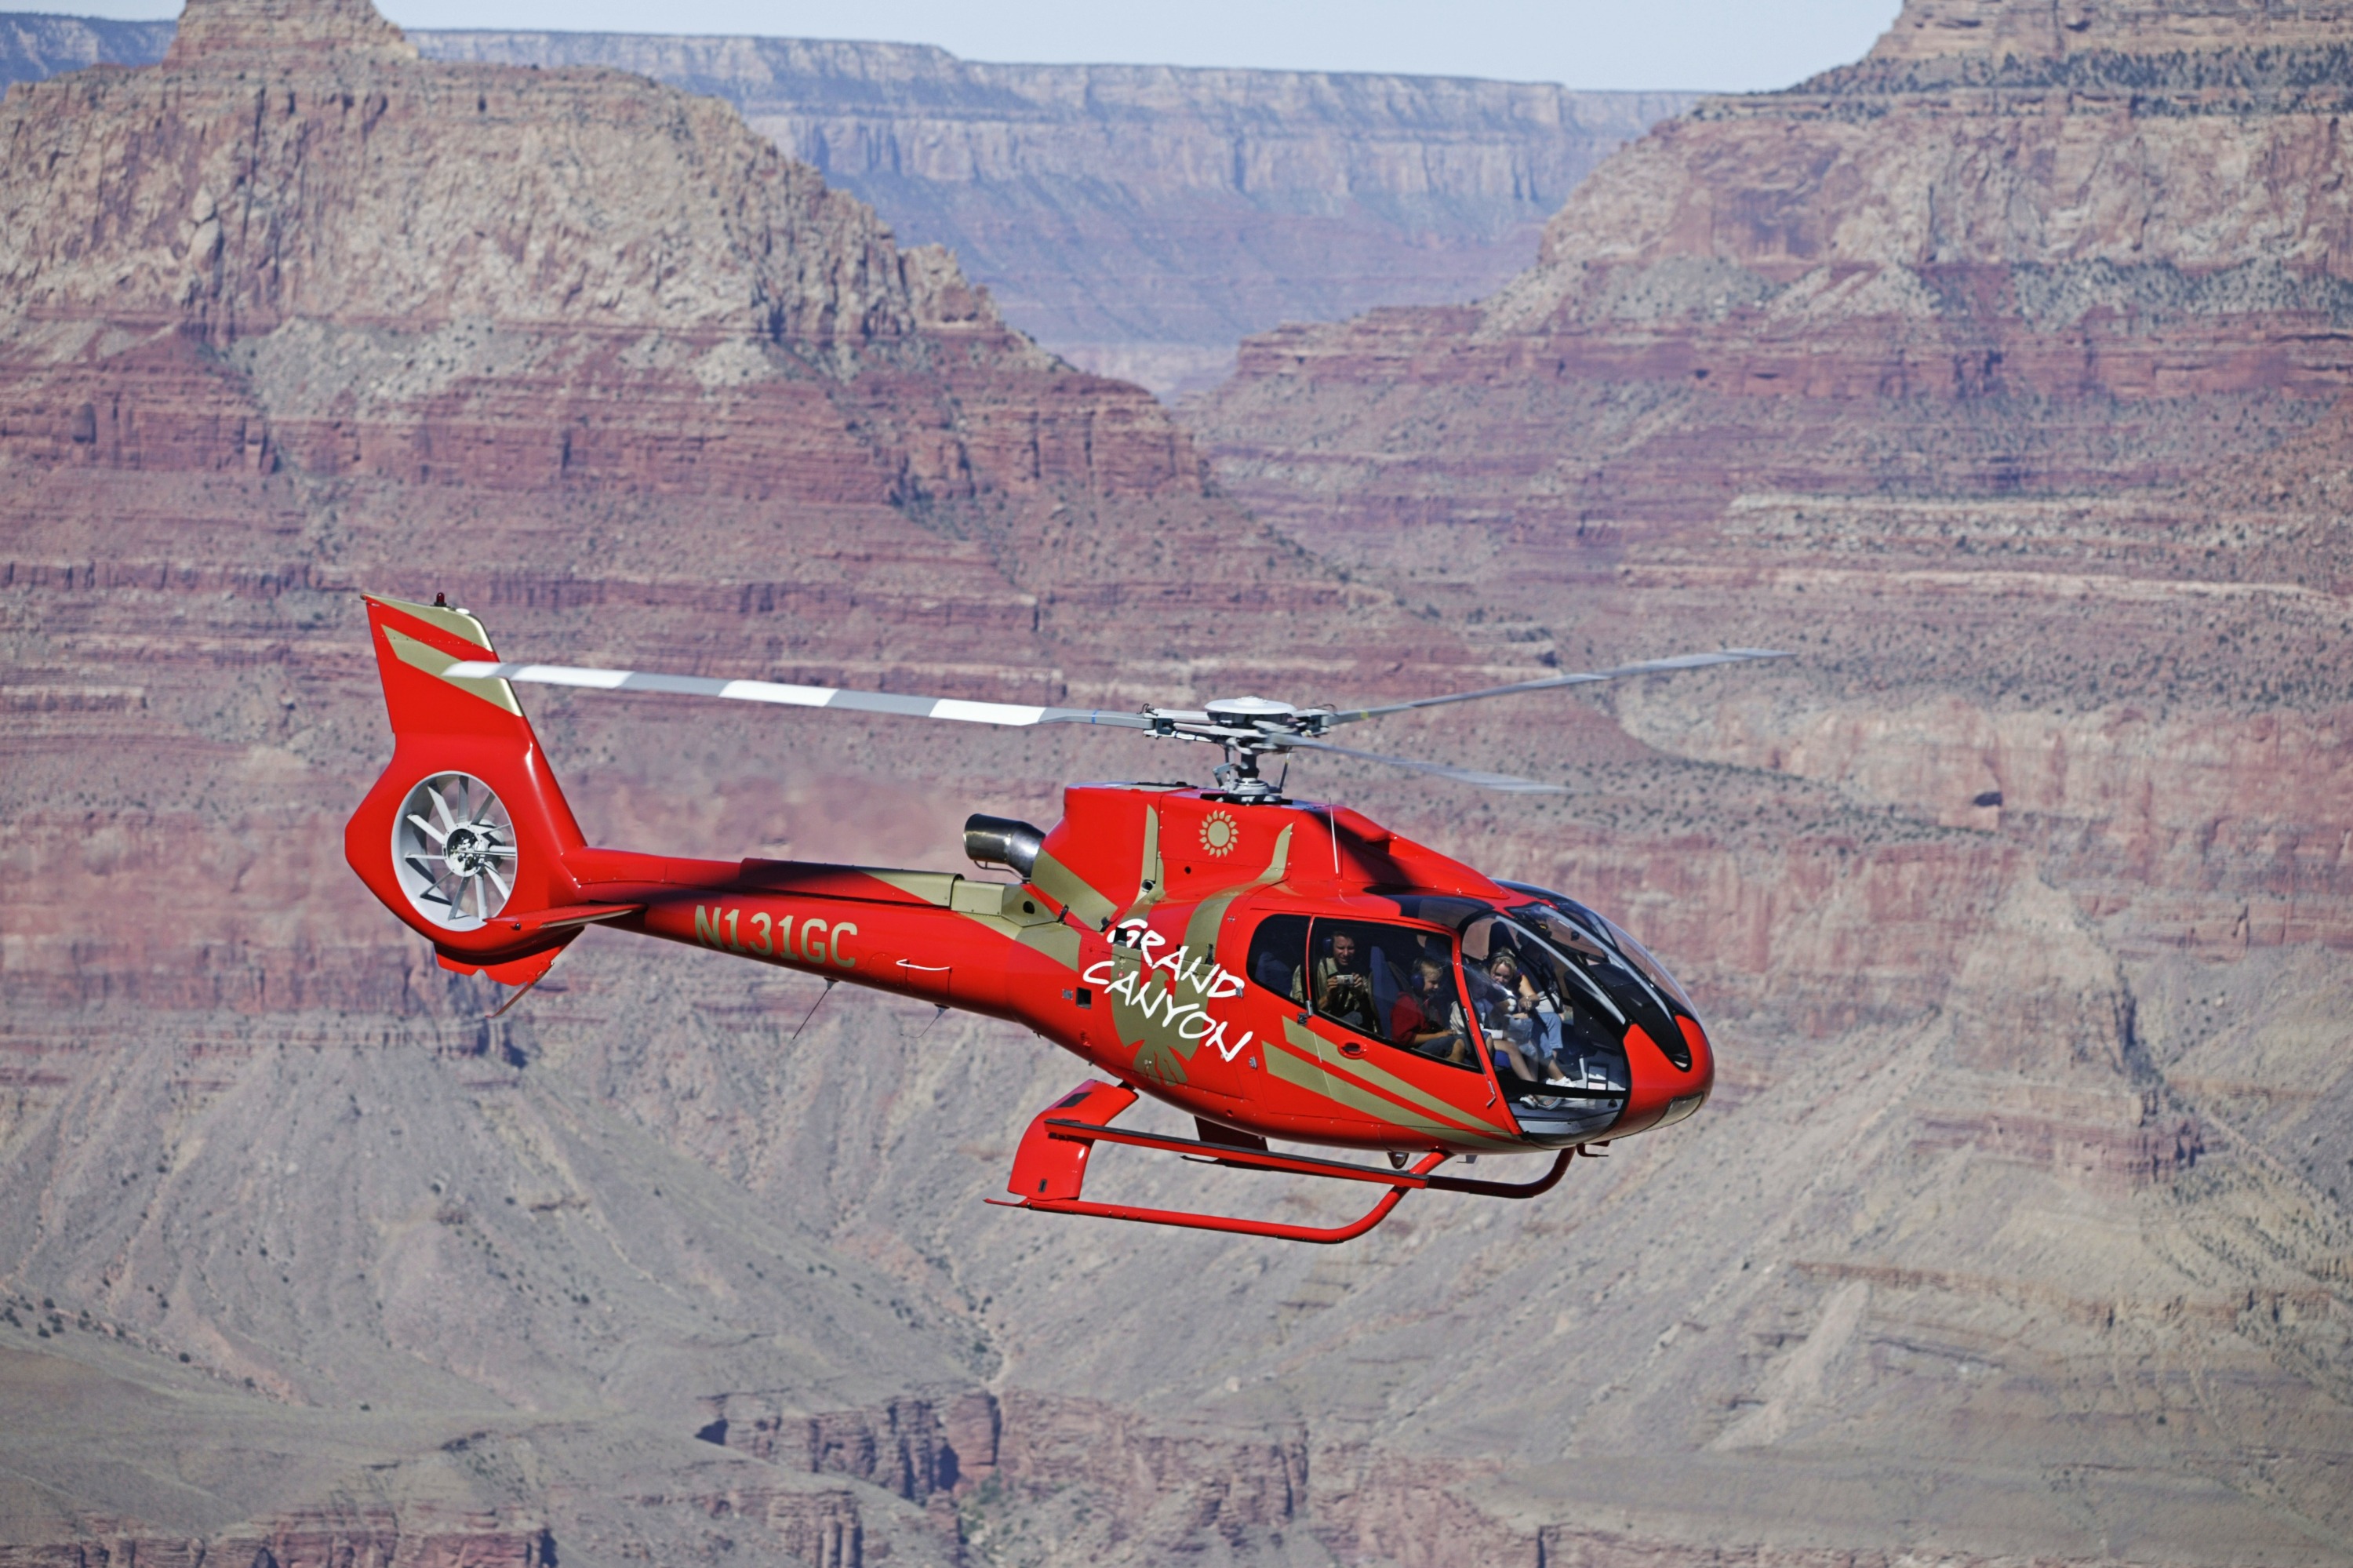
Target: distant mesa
point(217, 31)
point(2042, 29)
point(1139, 220)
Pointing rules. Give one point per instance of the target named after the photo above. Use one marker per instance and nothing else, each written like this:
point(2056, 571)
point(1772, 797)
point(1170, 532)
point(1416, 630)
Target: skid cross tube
point(1320, 1235)
point(1535, 1189)
point(1399, 1183)
point(1232, 1154)
point(1309, 1165)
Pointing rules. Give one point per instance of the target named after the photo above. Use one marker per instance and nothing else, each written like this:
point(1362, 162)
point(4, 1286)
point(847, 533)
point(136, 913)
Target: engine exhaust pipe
point(1001, 841)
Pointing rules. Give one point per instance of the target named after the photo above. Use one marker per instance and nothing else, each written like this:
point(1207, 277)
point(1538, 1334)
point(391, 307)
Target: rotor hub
point(470, 850)
point(453, 847)
point(1250, 712)
point(1239, 781)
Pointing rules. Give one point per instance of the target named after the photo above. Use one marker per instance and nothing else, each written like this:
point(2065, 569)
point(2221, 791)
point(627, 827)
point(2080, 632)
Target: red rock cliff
point(2001, 1232)
point(2000, 374)
point(2002, 378)
point(314, 248)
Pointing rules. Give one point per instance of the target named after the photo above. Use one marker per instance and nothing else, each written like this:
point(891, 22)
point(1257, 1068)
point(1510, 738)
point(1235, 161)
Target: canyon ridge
point(1137, 220)
point(1996, 376)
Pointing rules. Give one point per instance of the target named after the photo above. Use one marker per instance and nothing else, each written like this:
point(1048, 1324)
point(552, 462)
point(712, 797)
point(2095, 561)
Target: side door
point(1387, 1029)
point(1274, 967)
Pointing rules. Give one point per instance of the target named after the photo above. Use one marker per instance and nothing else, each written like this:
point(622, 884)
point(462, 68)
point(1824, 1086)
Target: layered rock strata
point(1140, 220)
point(2002, 377)
point(1137, 220)
point(2001, 1240)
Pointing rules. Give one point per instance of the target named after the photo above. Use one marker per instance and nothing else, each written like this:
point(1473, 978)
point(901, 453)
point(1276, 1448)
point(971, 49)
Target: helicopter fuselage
point(1140, 941)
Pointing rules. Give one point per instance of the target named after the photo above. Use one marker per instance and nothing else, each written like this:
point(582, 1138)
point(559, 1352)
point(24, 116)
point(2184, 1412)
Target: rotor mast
point(1249, 728)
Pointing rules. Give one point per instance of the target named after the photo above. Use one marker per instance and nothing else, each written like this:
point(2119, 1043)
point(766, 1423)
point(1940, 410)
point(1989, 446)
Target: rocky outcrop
point(1223, 202)
point(1999, 379)
point(2009, 1229)
point(278, 288)
point(983, 1463)
point(311, 1538)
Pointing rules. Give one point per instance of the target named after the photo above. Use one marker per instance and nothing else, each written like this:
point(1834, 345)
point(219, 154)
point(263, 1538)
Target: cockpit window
point(1640, 956)
point(1643, 960)
point(1556, 1039)
point(1620, 965)
point(1276, 949)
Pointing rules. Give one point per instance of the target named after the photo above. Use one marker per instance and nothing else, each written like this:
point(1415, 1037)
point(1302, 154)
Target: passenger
point(1428, 1016)
point(1510, 1017)
point(1343, 991)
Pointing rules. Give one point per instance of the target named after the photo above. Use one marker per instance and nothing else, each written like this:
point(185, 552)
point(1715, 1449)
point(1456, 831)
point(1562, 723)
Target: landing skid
point(1050, 1172)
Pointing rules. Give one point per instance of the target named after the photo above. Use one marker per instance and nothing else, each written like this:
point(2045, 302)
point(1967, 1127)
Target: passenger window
point(1277, 948)
point(1391, 982)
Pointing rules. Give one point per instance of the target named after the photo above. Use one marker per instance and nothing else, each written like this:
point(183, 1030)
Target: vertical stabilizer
point(465, 834)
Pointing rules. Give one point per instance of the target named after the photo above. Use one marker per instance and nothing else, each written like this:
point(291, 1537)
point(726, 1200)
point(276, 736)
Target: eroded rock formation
point(2000, 375)
point(2009, 1234)
point(1137, 220)
point(2002, 378)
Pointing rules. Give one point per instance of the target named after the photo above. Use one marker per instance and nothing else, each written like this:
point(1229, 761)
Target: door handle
point(1350, 1048)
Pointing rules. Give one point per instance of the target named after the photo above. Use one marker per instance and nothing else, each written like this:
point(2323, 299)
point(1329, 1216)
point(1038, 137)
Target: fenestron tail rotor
point(1248, 728)
point(453, 847)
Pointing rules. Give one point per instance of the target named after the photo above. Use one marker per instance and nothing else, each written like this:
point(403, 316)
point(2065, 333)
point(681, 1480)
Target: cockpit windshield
point(1641, 956)
point(1636, 981)
point(1555, 1037)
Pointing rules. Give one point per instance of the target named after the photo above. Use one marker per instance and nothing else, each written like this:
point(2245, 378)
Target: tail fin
point(465, 835)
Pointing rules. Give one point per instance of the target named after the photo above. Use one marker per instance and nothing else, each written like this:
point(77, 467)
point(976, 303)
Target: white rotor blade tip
point(777, 692)
point(986, 713)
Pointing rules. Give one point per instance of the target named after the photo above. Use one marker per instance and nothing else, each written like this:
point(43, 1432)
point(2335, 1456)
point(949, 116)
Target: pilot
point(1428, 1016)
point(1343, 991)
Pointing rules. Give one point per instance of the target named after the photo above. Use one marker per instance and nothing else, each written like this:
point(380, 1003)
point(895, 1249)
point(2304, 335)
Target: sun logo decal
point(1220, 833)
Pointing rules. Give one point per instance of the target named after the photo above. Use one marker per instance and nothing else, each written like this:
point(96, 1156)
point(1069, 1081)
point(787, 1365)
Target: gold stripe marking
point(1063, 885)
point(454, 621)
point(432, 660)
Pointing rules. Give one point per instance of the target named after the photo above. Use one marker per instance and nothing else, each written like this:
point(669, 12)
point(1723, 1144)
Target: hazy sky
point(1705, 44)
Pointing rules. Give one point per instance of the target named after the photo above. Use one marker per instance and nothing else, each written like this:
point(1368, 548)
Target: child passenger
point(1427, 1015)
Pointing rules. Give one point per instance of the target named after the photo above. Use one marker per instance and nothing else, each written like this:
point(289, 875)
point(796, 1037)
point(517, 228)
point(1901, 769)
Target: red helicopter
point(1278, 969)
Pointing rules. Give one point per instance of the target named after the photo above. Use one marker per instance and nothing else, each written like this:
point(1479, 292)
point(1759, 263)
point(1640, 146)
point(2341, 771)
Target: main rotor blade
point(1509, 782)
point(1579, 678)
point(1013, 713)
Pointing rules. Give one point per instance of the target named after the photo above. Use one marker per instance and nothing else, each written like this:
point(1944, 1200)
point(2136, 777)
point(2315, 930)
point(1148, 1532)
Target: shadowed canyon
point(2000, 376)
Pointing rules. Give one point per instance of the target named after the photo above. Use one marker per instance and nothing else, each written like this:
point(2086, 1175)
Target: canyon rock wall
point(2003, 387)
point(2002, 378)
point(1140, 220)
point(1137, 220)
point(2008, 1236)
